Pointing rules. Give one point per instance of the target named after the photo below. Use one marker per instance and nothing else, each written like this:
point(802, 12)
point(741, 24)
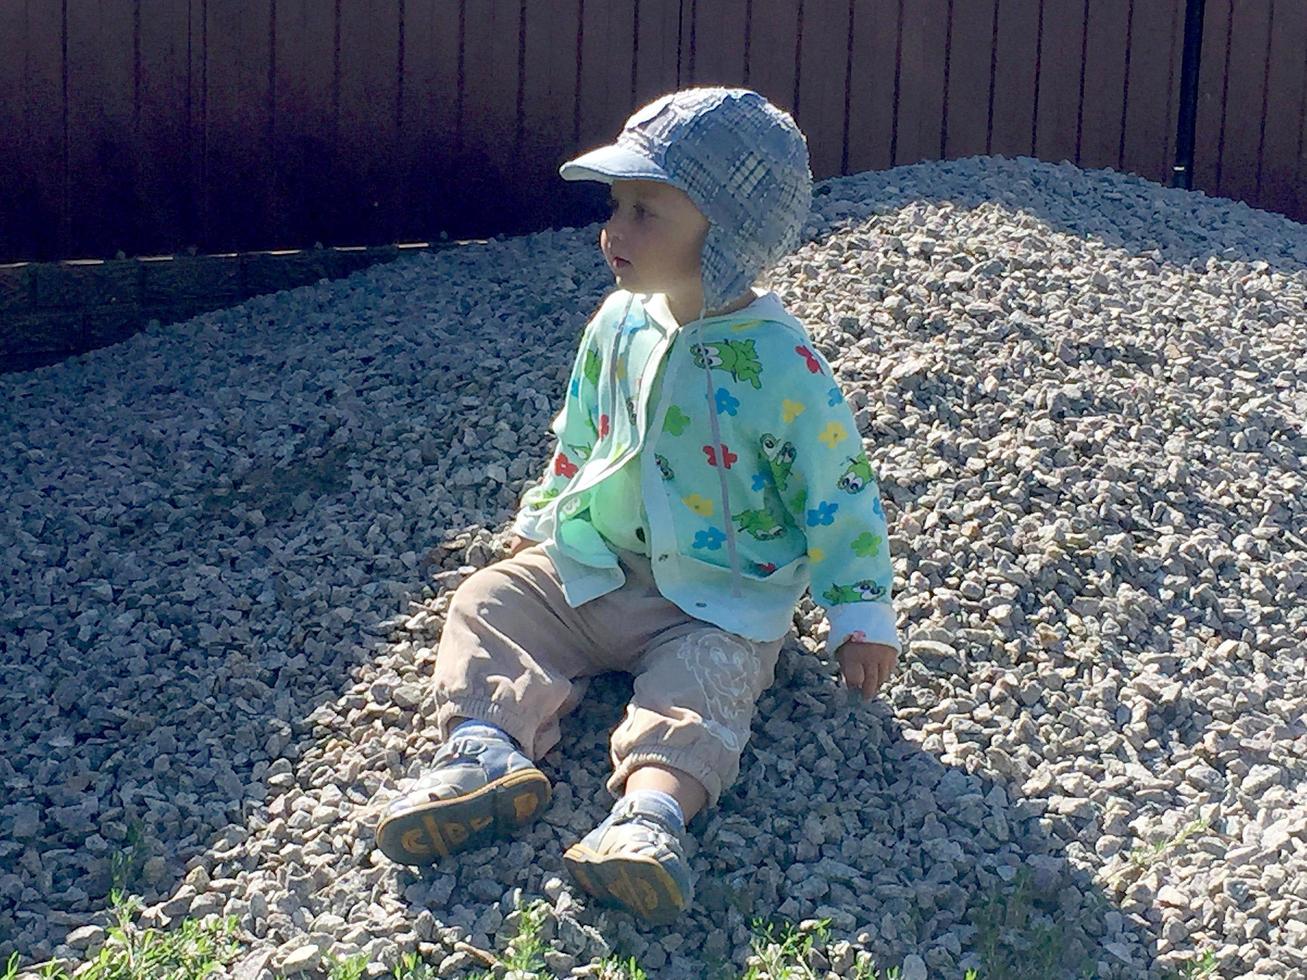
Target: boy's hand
point(866, 666)
point(516, 543)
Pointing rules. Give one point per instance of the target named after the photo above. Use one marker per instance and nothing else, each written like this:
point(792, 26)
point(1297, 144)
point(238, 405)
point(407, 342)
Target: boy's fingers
point(853, 674)
point(872, 681)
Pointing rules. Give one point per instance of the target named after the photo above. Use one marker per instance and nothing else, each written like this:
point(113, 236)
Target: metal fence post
point(1182, 173)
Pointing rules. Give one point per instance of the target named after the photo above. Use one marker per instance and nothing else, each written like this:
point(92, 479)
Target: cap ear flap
point(725, 275)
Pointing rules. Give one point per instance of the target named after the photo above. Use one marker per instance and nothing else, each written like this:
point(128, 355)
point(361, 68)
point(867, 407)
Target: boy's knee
point(478, 591)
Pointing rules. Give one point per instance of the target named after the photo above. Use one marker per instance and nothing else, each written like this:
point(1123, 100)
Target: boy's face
point(654, 238)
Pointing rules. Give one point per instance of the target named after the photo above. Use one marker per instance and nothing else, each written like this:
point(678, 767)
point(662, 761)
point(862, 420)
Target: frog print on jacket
point(738, 358)
point(864, 591)
point(762, 523)
point(778, 457)
point(858, 474)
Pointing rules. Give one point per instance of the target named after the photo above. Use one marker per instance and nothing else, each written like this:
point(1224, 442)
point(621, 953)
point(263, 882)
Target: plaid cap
point(742, 161)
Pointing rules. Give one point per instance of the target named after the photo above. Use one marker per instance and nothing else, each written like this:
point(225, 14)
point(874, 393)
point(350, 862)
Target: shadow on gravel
point(835, 815)
point(146, 730)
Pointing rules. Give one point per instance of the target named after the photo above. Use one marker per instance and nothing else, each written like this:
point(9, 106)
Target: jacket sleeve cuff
point(526, 526)
point(874, 620)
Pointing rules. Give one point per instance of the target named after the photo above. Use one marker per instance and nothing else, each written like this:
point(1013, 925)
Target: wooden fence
point(151, 126)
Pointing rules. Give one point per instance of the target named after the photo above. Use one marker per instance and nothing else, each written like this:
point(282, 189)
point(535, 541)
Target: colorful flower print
point(591, 366)
point(675, 421)
point(823, 513)
point(564, 466)
point(726, 402)
point(866, 545)
point(728, 457)
point(710, 539)
point(699, 504)
point(761, 481)
point(834, 397)
point(813, 364)
point(791, 410)
point(833, 434)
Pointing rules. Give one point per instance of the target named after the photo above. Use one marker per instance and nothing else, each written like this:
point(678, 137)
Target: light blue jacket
point(737, 527)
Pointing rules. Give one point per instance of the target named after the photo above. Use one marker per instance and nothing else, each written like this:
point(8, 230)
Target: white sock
point(664, 804)
point(484, 729)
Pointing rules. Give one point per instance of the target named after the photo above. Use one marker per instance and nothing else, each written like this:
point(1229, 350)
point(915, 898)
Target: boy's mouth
point(619, 263)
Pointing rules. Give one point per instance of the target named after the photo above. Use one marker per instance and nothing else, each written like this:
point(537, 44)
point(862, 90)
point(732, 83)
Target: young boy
point(707, 471)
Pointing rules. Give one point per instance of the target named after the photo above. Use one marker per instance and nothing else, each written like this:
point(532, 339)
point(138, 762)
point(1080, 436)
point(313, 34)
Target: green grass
point(413, 967)
point(1013, 946)
point(347, 968)
point(193, 950)
point(526, 951)
point(1140, 859)
point(1204, 965)
point(127, 863)
point(1010, 943)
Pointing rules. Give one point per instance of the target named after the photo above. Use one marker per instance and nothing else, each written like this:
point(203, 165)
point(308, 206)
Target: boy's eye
point(613, 205)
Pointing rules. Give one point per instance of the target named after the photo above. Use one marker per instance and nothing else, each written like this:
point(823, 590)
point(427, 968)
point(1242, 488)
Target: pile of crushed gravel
point(226, 547)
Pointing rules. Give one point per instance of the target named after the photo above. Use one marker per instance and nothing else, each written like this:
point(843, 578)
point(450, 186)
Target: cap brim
point(610, 163)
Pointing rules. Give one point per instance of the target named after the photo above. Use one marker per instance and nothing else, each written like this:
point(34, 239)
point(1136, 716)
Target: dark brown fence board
point(717, 27)
point(772, 32)
point(1249, 51)
point(919, 123)
point(239, 119)
point(871, 84)
point(197, 163)
point(607, 53)
point(1280, 177)
point(100, 83)
point(48, 214)
point(1209, 132)
point(1060, 58)
point(970, 57)
point(163, 132)
point(241, 124)
point(1012, 125)
point(17, 177)
point(1106, 36)
point(367, 126)
point(655, 62)
point(549, 91)
point(308, 188)
point(823, 78)
point(1153, 87)
point(488, 127)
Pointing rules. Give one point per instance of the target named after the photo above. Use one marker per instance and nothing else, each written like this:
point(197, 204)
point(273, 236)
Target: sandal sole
point(640, 885)
point(427, 832)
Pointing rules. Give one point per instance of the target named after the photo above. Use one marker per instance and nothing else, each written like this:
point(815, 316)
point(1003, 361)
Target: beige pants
point(514, 653)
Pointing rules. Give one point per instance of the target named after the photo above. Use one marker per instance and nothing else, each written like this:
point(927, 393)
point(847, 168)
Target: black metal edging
point(1182, 173)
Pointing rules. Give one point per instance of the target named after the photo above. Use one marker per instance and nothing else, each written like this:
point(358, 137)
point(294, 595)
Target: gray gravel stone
point(229, 544)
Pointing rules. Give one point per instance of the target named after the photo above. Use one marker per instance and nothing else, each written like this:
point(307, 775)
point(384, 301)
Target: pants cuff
point(687, 762)
point(483, 709)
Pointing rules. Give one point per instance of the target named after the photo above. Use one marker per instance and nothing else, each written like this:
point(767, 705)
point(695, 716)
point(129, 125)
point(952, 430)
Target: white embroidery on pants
point(722, 665)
